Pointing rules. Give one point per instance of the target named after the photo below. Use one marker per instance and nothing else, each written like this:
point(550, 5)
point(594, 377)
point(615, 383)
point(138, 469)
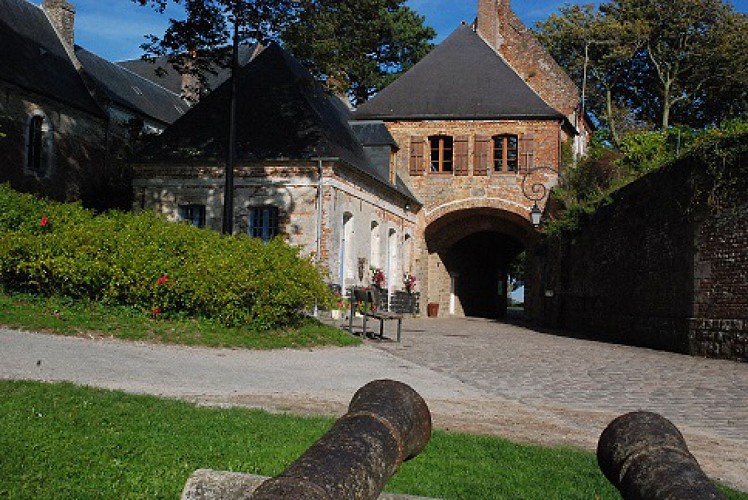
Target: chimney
point(62, 16)
point(491, 15)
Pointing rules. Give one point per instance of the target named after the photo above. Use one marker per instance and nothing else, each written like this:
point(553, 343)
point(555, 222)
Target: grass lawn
point(66, 441)
point(68, 317)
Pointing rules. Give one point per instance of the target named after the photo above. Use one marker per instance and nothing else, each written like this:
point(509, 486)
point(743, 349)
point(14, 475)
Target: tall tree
point(203, 32)
point(358, 46)
point(675, 39)
point(596, 51)
point(193, 45)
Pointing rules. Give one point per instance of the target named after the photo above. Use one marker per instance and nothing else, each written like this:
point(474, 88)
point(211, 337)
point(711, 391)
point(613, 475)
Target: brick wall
point(498, 194)
point(650, 269)
point(504, 31)
point(720, 324)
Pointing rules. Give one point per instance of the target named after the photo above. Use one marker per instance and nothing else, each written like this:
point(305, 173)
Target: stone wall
point(78, 153)
point(654, 268)
point(293, 187)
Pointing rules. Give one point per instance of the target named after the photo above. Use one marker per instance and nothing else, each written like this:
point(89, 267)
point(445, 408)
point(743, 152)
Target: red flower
point(161, 280)
point(44, 222)
point(156, 311)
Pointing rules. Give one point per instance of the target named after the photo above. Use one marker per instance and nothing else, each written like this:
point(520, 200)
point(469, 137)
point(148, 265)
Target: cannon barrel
point(387, 422)
point(645, 456)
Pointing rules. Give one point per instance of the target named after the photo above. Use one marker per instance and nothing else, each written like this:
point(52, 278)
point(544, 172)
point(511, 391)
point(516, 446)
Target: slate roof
point(130, 91)
point(462, 78)
point(282, 113)
point(373, 133)
point(172, 80)
point(33, 57)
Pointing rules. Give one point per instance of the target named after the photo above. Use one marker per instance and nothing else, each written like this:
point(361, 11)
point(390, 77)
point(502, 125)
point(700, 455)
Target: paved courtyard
point(476, 375)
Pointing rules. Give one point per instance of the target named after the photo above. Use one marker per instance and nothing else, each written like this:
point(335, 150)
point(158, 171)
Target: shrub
point(143, 261)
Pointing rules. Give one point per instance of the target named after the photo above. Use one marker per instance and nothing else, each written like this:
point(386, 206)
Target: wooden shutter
point(416, 155)
point(526, 152)
point(461, 155)
point(482, 155)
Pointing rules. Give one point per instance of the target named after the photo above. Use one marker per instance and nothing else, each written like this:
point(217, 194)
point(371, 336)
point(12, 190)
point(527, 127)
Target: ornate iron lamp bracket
point(535, 192)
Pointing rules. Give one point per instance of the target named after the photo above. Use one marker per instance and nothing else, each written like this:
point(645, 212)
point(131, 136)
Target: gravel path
point(477, 376)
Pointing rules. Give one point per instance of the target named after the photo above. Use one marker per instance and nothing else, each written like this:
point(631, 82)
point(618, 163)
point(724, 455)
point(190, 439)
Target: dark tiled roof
point(34, 58)
point(170, 77)
point(282, 113)
point(373, 133)
point(461, 78)
point(130, 91)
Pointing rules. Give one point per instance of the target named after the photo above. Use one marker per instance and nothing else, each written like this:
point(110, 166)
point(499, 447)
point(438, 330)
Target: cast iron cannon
point(645, 456)
point(387, 423)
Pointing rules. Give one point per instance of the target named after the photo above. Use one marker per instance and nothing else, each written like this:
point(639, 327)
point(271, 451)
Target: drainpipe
point(319, 222)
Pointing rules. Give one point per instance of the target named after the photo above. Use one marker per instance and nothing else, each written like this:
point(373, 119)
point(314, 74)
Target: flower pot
point(432, 310)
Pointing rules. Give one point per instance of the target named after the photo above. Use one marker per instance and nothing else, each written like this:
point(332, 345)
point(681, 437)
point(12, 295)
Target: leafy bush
point(589, 185)
point(143, 261)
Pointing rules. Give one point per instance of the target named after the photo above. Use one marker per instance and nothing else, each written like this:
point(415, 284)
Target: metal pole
point(228, 191)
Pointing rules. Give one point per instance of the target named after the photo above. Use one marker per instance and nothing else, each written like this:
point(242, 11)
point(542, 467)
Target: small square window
point(195, 214)
point(263, 222)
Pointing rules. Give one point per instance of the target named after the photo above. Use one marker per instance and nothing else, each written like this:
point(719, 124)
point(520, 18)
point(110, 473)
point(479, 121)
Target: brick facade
point(501, 28)
point(459, 204)
point(650, 270)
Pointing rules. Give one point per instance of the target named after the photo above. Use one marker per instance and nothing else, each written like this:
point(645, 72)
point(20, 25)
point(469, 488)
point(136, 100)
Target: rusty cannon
point(645, 456)
point(387, 423)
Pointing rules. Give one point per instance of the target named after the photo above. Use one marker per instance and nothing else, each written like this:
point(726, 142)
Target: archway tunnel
point(470, 252)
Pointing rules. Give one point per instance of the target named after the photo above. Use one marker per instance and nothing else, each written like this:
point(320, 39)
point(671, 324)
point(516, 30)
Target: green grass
point(69, 317)
point(66, 441)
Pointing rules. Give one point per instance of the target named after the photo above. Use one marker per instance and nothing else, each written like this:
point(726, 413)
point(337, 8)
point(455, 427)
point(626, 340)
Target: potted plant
point(377, 278)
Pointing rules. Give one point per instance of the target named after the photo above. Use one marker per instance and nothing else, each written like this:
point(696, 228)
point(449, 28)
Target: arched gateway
point(469, 251)
point(477, 122)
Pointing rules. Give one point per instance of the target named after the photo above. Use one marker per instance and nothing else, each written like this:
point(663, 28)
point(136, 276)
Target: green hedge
point(143, 261)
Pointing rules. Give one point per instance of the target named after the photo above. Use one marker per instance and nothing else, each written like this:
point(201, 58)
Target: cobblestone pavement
point(537, 369)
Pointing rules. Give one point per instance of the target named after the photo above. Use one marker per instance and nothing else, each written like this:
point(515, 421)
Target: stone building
point(303, 169)
point(65, 114)
point(481, 123)
point(435, 176)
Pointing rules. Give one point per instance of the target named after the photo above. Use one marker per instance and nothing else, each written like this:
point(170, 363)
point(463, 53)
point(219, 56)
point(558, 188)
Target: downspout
point(319, 222)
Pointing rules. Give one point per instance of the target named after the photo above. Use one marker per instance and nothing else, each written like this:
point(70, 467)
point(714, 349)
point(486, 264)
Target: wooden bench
point(369, 298)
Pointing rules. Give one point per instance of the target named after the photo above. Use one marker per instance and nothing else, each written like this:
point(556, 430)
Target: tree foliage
point(203, 36)
point(358, 46)
point(650, 63)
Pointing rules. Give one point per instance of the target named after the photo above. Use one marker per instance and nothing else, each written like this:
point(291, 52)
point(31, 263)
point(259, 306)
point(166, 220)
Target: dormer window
point(505, 153)
point(137, 90)
point(441, 153)
point(179, 110)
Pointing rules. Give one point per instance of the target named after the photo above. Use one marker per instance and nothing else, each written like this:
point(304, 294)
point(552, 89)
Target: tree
point(685, 60)
point(195, 44)
point(204, 37)
point(675, 40)
point(358, 46)
point(724, 73)
point(596, 52)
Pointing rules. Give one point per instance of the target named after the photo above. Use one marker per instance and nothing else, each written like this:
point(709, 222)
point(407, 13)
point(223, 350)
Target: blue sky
point(114, 29)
